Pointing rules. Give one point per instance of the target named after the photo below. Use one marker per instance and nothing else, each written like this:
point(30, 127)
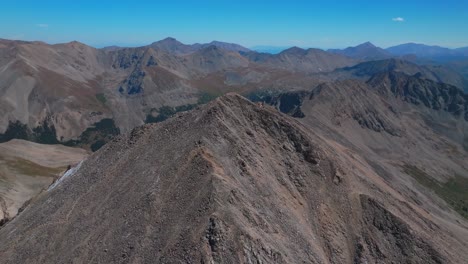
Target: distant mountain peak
point(215, 42)
point(228, 46)
point(294, 50)
point(422, 51)
point(366, 50)
point(367, 44)
point(75, 42)
point(169, 39)
point(172, 45)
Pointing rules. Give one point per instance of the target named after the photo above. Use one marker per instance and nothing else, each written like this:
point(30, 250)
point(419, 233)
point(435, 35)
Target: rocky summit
point(234, 182)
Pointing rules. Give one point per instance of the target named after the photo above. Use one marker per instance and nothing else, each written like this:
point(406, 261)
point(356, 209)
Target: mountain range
point(65, 89)
point(214, 153)
point(425, 51)
point(369, 51)
point(61, 93)
point(172, 45)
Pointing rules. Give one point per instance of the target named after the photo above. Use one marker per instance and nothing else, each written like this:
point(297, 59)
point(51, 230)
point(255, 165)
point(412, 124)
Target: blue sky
point(320, 23)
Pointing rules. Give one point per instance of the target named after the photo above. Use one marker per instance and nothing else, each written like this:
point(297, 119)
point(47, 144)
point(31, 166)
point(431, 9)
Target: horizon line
point(252, 47)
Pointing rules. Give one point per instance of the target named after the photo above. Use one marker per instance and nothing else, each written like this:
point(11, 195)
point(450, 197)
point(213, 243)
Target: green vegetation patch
point(101, 98)
point(96, 136)
point(206, 98)
point(454, 191)
point(45, 133)
point(15, 130)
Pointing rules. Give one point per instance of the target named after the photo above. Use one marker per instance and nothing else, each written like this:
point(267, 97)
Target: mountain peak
point(421, 50)
point(366, 50)
point(172, 45)
point(206, 166)
point(75, 45)
point(294, 50)
point(228, 46)
point(75, 42)
point(169, 39)
point(367, 44)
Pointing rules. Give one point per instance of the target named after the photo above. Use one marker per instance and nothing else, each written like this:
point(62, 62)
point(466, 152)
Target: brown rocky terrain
point(238, 182)
point(411, 131)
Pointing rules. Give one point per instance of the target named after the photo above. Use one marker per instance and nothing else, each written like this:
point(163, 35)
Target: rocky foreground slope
point(230, 182)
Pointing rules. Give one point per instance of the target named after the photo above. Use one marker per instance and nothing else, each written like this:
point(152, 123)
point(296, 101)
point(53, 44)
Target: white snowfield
point(67, 174)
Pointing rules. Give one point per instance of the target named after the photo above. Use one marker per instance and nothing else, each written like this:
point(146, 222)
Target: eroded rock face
point(353, 100)
point(389, 239)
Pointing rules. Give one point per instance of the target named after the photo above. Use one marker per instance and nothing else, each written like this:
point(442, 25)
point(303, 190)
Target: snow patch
point(67, 174)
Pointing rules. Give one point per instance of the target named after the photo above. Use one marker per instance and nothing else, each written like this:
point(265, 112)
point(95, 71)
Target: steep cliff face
point(231, 181)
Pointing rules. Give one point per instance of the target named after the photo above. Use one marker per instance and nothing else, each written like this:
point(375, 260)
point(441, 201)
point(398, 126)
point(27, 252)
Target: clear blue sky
point(321, 23)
